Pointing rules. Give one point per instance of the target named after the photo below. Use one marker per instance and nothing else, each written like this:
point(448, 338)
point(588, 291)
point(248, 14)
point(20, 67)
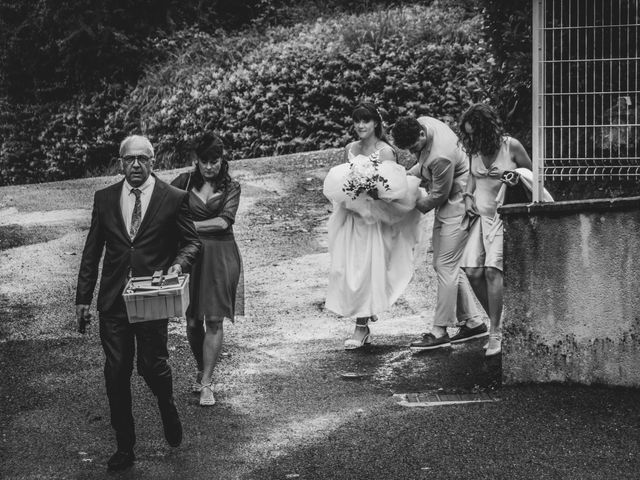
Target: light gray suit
point(445, 169)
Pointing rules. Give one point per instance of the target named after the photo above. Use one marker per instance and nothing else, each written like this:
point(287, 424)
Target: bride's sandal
point(353, 343)
point(206, 395)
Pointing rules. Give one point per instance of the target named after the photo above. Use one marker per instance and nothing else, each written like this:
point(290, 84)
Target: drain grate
point(433, 399)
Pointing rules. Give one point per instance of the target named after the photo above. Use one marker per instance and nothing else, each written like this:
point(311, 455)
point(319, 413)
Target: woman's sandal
point(352, 343)
point(494, 347)
point(196, 386)
point(206, 395)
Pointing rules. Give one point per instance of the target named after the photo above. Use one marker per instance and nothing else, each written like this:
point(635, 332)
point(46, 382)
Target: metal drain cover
point(354, 375)
point(433, 399)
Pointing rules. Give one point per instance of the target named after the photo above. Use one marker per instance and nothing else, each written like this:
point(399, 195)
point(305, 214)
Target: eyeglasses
point(131, 159)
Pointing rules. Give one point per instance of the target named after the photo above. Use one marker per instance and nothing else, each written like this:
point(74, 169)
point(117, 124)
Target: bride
point(374, 226)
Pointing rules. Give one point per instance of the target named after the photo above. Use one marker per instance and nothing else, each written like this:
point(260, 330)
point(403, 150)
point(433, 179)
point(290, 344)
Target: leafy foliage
point(109, 69)
point(507, 30)
point(293, 89)
point(67, 62)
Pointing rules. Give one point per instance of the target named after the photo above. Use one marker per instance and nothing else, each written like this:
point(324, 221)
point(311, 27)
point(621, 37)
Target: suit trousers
point(120, 339)
point(455, 299)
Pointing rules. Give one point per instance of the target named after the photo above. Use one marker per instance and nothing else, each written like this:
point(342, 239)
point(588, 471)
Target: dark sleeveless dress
point(216, 285)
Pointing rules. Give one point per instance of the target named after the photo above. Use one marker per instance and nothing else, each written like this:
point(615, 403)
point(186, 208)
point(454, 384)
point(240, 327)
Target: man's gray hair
point(138, 138)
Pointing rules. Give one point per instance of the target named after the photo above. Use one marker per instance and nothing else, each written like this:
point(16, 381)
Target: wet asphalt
point(297, 416)
point(291, 402)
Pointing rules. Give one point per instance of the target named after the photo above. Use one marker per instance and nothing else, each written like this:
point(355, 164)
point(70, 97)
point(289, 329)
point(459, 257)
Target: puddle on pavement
point(462, 368)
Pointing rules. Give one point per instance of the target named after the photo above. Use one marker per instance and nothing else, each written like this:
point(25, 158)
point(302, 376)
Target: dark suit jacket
point(166, 236)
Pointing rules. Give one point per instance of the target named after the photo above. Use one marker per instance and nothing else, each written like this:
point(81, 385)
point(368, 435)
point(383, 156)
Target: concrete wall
point(572, 292)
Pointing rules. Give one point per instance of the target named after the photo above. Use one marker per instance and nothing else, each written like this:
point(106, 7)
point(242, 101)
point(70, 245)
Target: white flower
point(364, 177)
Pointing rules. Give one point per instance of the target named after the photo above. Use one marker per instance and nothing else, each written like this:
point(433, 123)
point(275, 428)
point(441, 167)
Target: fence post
point(537, 89)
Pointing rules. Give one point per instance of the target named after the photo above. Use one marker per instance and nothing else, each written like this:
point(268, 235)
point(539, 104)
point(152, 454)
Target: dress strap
point(385, 144)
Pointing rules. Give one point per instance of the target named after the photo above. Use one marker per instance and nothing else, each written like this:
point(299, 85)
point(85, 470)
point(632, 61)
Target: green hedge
point(507, 29)
point(56, 141)
point(293, 90)
point(267, 91)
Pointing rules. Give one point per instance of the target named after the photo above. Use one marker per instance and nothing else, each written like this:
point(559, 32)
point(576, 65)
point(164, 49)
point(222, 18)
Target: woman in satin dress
point(216, 284)
point(492, 153)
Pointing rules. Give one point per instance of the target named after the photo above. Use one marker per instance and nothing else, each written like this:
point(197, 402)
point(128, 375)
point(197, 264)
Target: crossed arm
point(227, 213)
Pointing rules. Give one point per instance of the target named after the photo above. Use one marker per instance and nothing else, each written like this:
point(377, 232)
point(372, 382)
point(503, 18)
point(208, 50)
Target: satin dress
point(484, 246)
point(216, 286)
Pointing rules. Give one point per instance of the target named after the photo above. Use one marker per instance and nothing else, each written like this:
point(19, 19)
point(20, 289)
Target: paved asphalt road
point(285, 408)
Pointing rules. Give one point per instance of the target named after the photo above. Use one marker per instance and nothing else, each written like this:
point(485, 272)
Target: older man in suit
point(142, 224)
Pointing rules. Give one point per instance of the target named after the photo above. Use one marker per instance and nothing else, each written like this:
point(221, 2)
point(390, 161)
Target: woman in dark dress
point(216, 286)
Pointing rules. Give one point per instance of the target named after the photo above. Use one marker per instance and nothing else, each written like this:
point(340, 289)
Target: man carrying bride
point(443, 165)
point(374, 226)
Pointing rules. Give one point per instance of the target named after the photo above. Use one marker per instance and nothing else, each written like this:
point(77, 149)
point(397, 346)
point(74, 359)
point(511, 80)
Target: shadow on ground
point(298, 417)
point(535, 432)
point(13, 313)
point(13, 235)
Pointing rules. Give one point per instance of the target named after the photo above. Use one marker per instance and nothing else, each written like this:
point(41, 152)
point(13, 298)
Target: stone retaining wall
point(572, 292)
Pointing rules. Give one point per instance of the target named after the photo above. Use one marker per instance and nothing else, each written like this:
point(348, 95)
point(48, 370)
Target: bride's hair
point(366, 111)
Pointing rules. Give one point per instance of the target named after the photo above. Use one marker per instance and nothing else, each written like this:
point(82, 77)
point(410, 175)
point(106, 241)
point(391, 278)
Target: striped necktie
point(137, 213)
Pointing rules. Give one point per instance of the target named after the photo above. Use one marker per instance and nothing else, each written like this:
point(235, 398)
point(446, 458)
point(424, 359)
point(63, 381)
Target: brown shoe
point(465, 333)
point(431, 342)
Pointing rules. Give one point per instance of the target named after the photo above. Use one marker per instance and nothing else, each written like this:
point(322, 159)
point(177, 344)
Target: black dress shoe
point(171, 422)
point(120, 460)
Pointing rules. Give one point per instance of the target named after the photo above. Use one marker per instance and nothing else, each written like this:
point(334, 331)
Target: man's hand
point(422, 205)
point(177, 269)
point(83, 317)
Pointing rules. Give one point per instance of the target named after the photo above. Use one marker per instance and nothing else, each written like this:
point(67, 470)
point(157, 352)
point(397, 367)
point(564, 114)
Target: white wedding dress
point(371, 242)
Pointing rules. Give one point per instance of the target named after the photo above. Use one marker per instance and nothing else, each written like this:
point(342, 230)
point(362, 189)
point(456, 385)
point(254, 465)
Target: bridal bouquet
point(364, 177)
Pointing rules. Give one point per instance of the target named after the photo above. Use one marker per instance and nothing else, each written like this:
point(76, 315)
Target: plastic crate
point(145, 302)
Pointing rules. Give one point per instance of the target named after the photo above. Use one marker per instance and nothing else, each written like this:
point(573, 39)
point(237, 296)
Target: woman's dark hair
point(366, 112)
point(209, 146)
point(488, 132)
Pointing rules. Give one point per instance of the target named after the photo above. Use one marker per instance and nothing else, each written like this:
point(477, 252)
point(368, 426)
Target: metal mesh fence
point(586, 88)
